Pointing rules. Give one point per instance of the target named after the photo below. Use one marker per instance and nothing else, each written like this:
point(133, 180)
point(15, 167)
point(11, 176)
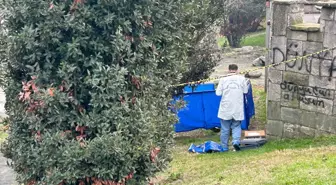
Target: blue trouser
point(225, 132)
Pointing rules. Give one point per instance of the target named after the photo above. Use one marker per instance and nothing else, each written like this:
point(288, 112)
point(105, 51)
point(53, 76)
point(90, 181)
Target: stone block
point(323, 93)
point(315, 37)
point(307, 132)
point(322, 25)
point(288, 87)
point(279, 42)
point(294, 47)
point(312, 93)
point(291, 131)
point(309, 119)
point(297, 8)
point(327, 14)
point(334, 109)
point(272, 138)
point(296, 78)
point(315, 66)
point(301, 91)
point(310, 9)
point(333, 128)
point(324, 68)
point(329, 40)
point(278, 54)
point(273, 92)
point(280, 13)
point(290, 115)
point(311, 47)
point(322, 82)
point(319, 133)
point(325, 55)
point(326, 123)
point(289, 99)
point(295, 18)
point(274, 76)
point(321, 67)
point(299, 65)
point(308, 103)
point(325, 106)
point(330, 27)
point(278, 66)
point(333, 69)
point(273, 110)
point(274, 128)
point(260, 61)
point(297, 35)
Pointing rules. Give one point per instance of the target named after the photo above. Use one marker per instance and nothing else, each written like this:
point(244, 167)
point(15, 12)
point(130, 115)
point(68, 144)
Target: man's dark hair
point(233, 67)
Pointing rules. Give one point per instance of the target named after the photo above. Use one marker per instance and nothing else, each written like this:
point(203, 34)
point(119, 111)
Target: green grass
point(259, 97)
point(257, 39)
point(222, 41)
point(252, 39)
point(299, 161)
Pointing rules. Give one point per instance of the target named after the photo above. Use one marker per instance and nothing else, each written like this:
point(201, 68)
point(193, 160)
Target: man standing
point(231, 109)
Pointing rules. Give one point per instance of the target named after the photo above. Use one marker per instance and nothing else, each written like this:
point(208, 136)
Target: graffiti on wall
point(305, 94)
point(326, 61)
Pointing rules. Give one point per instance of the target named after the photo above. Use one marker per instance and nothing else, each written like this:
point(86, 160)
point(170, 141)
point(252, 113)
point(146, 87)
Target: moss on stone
point(309, 27)
point(327, 4)
point(285, 2)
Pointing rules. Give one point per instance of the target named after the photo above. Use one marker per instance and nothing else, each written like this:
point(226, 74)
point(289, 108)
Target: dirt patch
point(243, 58)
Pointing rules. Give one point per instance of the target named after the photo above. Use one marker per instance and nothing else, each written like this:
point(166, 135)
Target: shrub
point(203, 52)
point(241, 17)
point(87, 83)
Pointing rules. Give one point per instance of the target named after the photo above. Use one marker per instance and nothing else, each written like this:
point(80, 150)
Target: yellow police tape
point(251, 70)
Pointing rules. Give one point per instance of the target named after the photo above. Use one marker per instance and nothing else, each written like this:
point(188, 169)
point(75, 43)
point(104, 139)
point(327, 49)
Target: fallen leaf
point(51, 91)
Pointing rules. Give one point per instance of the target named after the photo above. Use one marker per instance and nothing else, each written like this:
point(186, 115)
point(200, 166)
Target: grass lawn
point(300, 161)
point(255, 39)
point(259, 97)
point(252, 39)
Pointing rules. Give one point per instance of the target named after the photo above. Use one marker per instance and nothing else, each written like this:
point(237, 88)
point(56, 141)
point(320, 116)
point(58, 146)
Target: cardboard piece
point(255, 134)
point(253, 139)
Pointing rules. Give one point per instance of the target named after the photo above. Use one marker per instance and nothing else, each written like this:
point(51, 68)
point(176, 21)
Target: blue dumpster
point(202, 106)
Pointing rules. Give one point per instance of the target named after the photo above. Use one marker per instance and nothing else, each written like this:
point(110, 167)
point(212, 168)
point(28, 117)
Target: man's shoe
point(236, 147)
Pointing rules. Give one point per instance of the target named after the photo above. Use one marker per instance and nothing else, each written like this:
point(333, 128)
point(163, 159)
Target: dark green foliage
point(241, 17)
point(94, 100)
point(203, 53)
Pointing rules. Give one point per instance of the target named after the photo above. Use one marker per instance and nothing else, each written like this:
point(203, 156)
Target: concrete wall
point(301, 99)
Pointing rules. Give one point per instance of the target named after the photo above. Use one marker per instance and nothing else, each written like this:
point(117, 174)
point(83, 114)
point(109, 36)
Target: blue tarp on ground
point(202, 106)
point(207, 147)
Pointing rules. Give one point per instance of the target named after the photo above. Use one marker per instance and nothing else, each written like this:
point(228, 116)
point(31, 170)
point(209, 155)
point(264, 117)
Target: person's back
point(231, 110)
point(232, 89)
